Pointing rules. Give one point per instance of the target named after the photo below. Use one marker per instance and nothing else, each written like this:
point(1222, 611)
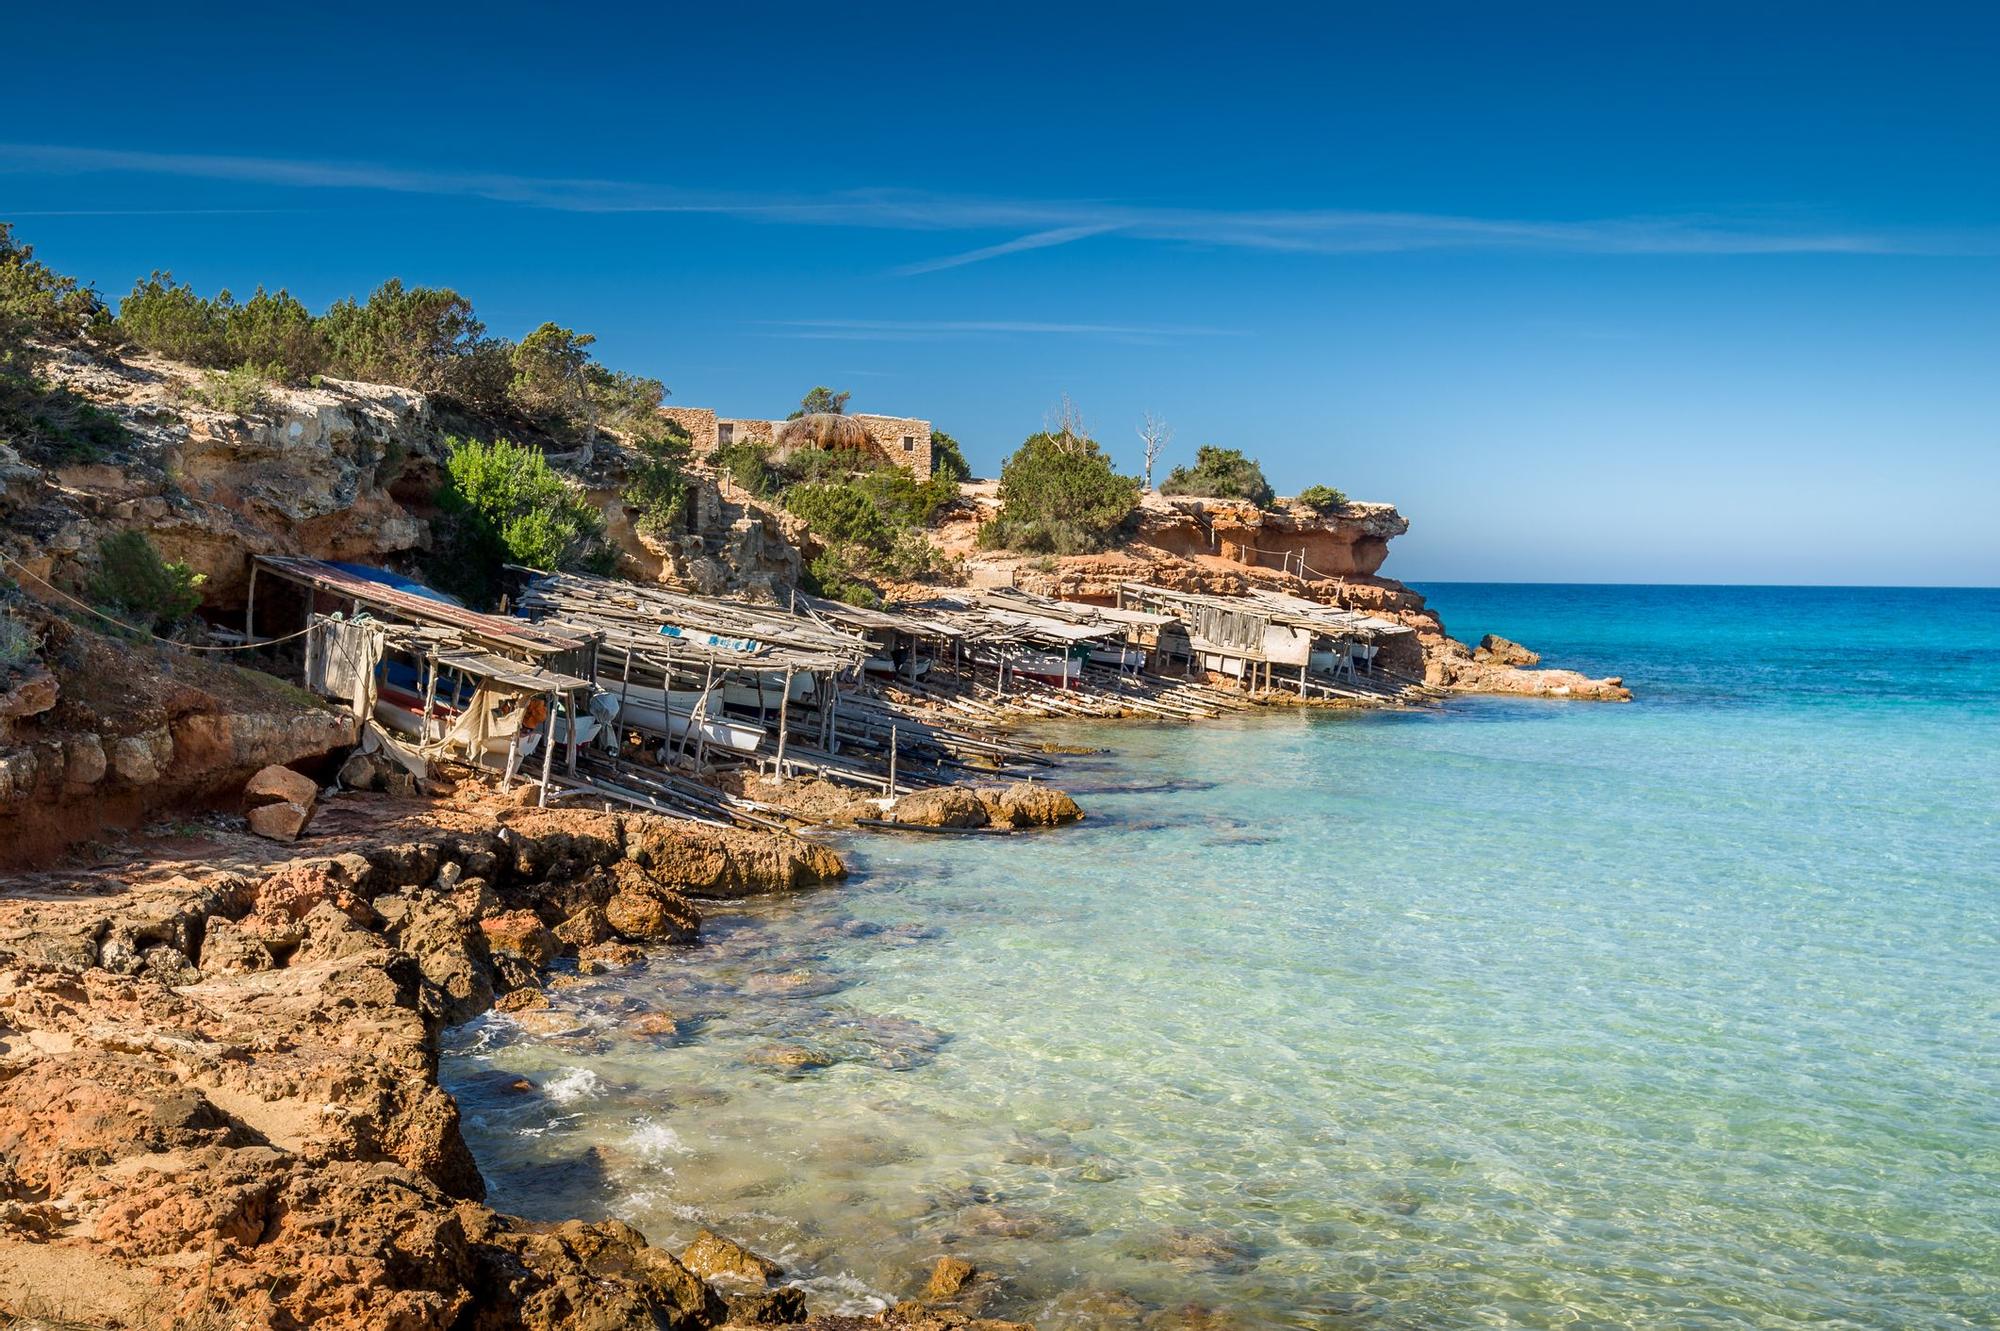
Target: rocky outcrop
point(124, 730)
point(1021, 805)
point(218, 1091)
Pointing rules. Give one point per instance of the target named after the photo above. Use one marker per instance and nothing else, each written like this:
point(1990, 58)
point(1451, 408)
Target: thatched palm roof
point(823, 430)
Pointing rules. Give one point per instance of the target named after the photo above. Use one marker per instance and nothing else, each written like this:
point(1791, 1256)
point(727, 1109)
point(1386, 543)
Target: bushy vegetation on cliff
point(1220, 473)
point(1321, 499)
point(502, 503)
point(41, 308)
point(424, 338)
point(656, 486)
point(135, 585)
point(1059, 495)
point(948, 459)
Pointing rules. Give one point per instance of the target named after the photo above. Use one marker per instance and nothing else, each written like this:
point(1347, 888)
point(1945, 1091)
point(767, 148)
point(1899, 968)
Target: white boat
point(765, 692)
point(1053, 668)
point(671, 712)
point(1119, 658)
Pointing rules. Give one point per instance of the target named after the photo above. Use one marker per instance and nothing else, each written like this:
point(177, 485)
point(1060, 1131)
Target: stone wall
point(890, 433)
point(700, 424)
point(904, 439)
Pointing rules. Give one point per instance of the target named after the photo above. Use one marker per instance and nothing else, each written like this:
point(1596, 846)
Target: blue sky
point(1682, 293)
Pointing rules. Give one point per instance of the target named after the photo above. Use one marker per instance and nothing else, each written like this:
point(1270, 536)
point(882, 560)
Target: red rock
point(280, 822)
point(281, 783)
point(522, 934)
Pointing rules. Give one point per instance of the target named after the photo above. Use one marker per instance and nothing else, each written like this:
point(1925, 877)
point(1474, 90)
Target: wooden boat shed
point(473, 677)
point(1250, 637)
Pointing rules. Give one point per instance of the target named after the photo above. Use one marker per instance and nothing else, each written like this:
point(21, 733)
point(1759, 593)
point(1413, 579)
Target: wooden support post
point(575, 724)
point(548, 752)
point(892, 760)
point(250, 607)
point(784, 721)
point(430, 700)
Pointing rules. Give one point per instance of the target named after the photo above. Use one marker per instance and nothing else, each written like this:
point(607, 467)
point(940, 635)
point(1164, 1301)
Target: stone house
point(903, 440)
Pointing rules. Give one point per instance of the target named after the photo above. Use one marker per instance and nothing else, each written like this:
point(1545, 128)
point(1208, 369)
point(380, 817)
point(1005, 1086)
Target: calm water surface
point(1510, 1014)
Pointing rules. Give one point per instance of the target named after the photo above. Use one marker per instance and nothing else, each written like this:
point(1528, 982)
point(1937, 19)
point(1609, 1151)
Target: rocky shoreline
point(219, 1102)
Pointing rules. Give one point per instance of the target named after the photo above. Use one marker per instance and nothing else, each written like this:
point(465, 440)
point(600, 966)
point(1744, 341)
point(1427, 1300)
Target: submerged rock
point(948, 1277)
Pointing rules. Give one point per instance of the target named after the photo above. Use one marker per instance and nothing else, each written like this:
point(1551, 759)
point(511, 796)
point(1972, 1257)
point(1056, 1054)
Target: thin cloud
point(1041, 224)
point(1039, 240)
point(899, 330)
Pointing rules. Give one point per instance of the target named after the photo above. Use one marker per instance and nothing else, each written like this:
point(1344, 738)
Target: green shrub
point(749, 465)
point(426, 338)
point(840, 513)
point(1059, 495)
point(274, 333)
point(1220, 473)
point(947, 458)
point(836, 573)
point(134, 584)
point(36, 301)
point(657, 486)
point(167, 318)
point(552, 380)
point(1321, 498)
point(628, 399)
point(243, 391)
point(17, 641)
point(54, 424)
point(502, 503)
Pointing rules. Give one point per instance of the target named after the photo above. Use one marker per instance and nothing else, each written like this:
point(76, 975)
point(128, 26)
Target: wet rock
point(726, 862)
point(714, 1257)
point(773, 1307)
point(609, 956)
point(948, 1277)
point(657, 1025)
point(792, 1058)
point(521, 1000)
point(521, 934)
point(587, 928)
point(1029, 804)
point(944, 806)
point(1198, 1250)
point(643, 910)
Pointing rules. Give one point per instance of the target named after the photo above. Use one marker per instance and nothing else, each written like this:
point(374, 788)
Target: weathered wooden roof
point(661, 625)
point(504, 633)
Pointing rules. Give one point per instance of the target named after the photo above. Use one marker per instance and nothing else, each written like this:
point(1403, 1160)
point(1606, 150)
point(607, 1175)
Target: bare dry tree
point(1155, 434)
point(1065, 422)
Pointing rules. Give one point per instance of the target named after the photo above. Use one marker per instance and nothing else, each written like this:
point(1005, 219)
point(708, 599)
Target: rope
point(148, 633)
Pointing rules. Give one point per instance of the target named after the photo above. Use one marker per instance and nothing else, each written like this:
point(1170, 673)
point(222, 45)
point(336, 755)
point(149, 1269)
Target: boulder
point(653, 915)
point(283, 821)
point(521, 933)
point(945, 806)
point(714, 1257)
point(725, 862)
point(586, 928)
point(281, 783)
point(770, 1307)
point(1503, 651)
point(1028, 804)
point(360, 772)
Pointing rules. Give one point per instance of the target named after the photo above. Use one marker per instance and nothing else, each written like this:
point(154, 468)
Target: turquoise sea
point(1524, 1014)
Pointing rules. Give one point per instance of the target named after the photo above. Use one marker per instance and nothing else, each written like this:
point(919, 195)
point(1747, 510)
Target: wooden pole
point(430, 698)
point(250, 607)
point(784, 722)
point(575, 724)
point(548, 751)
point(892, 760)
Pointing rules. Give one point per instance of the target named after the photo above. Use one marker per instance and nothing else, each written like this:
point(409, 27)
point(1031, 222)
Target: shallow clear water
point(1678, 1014)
